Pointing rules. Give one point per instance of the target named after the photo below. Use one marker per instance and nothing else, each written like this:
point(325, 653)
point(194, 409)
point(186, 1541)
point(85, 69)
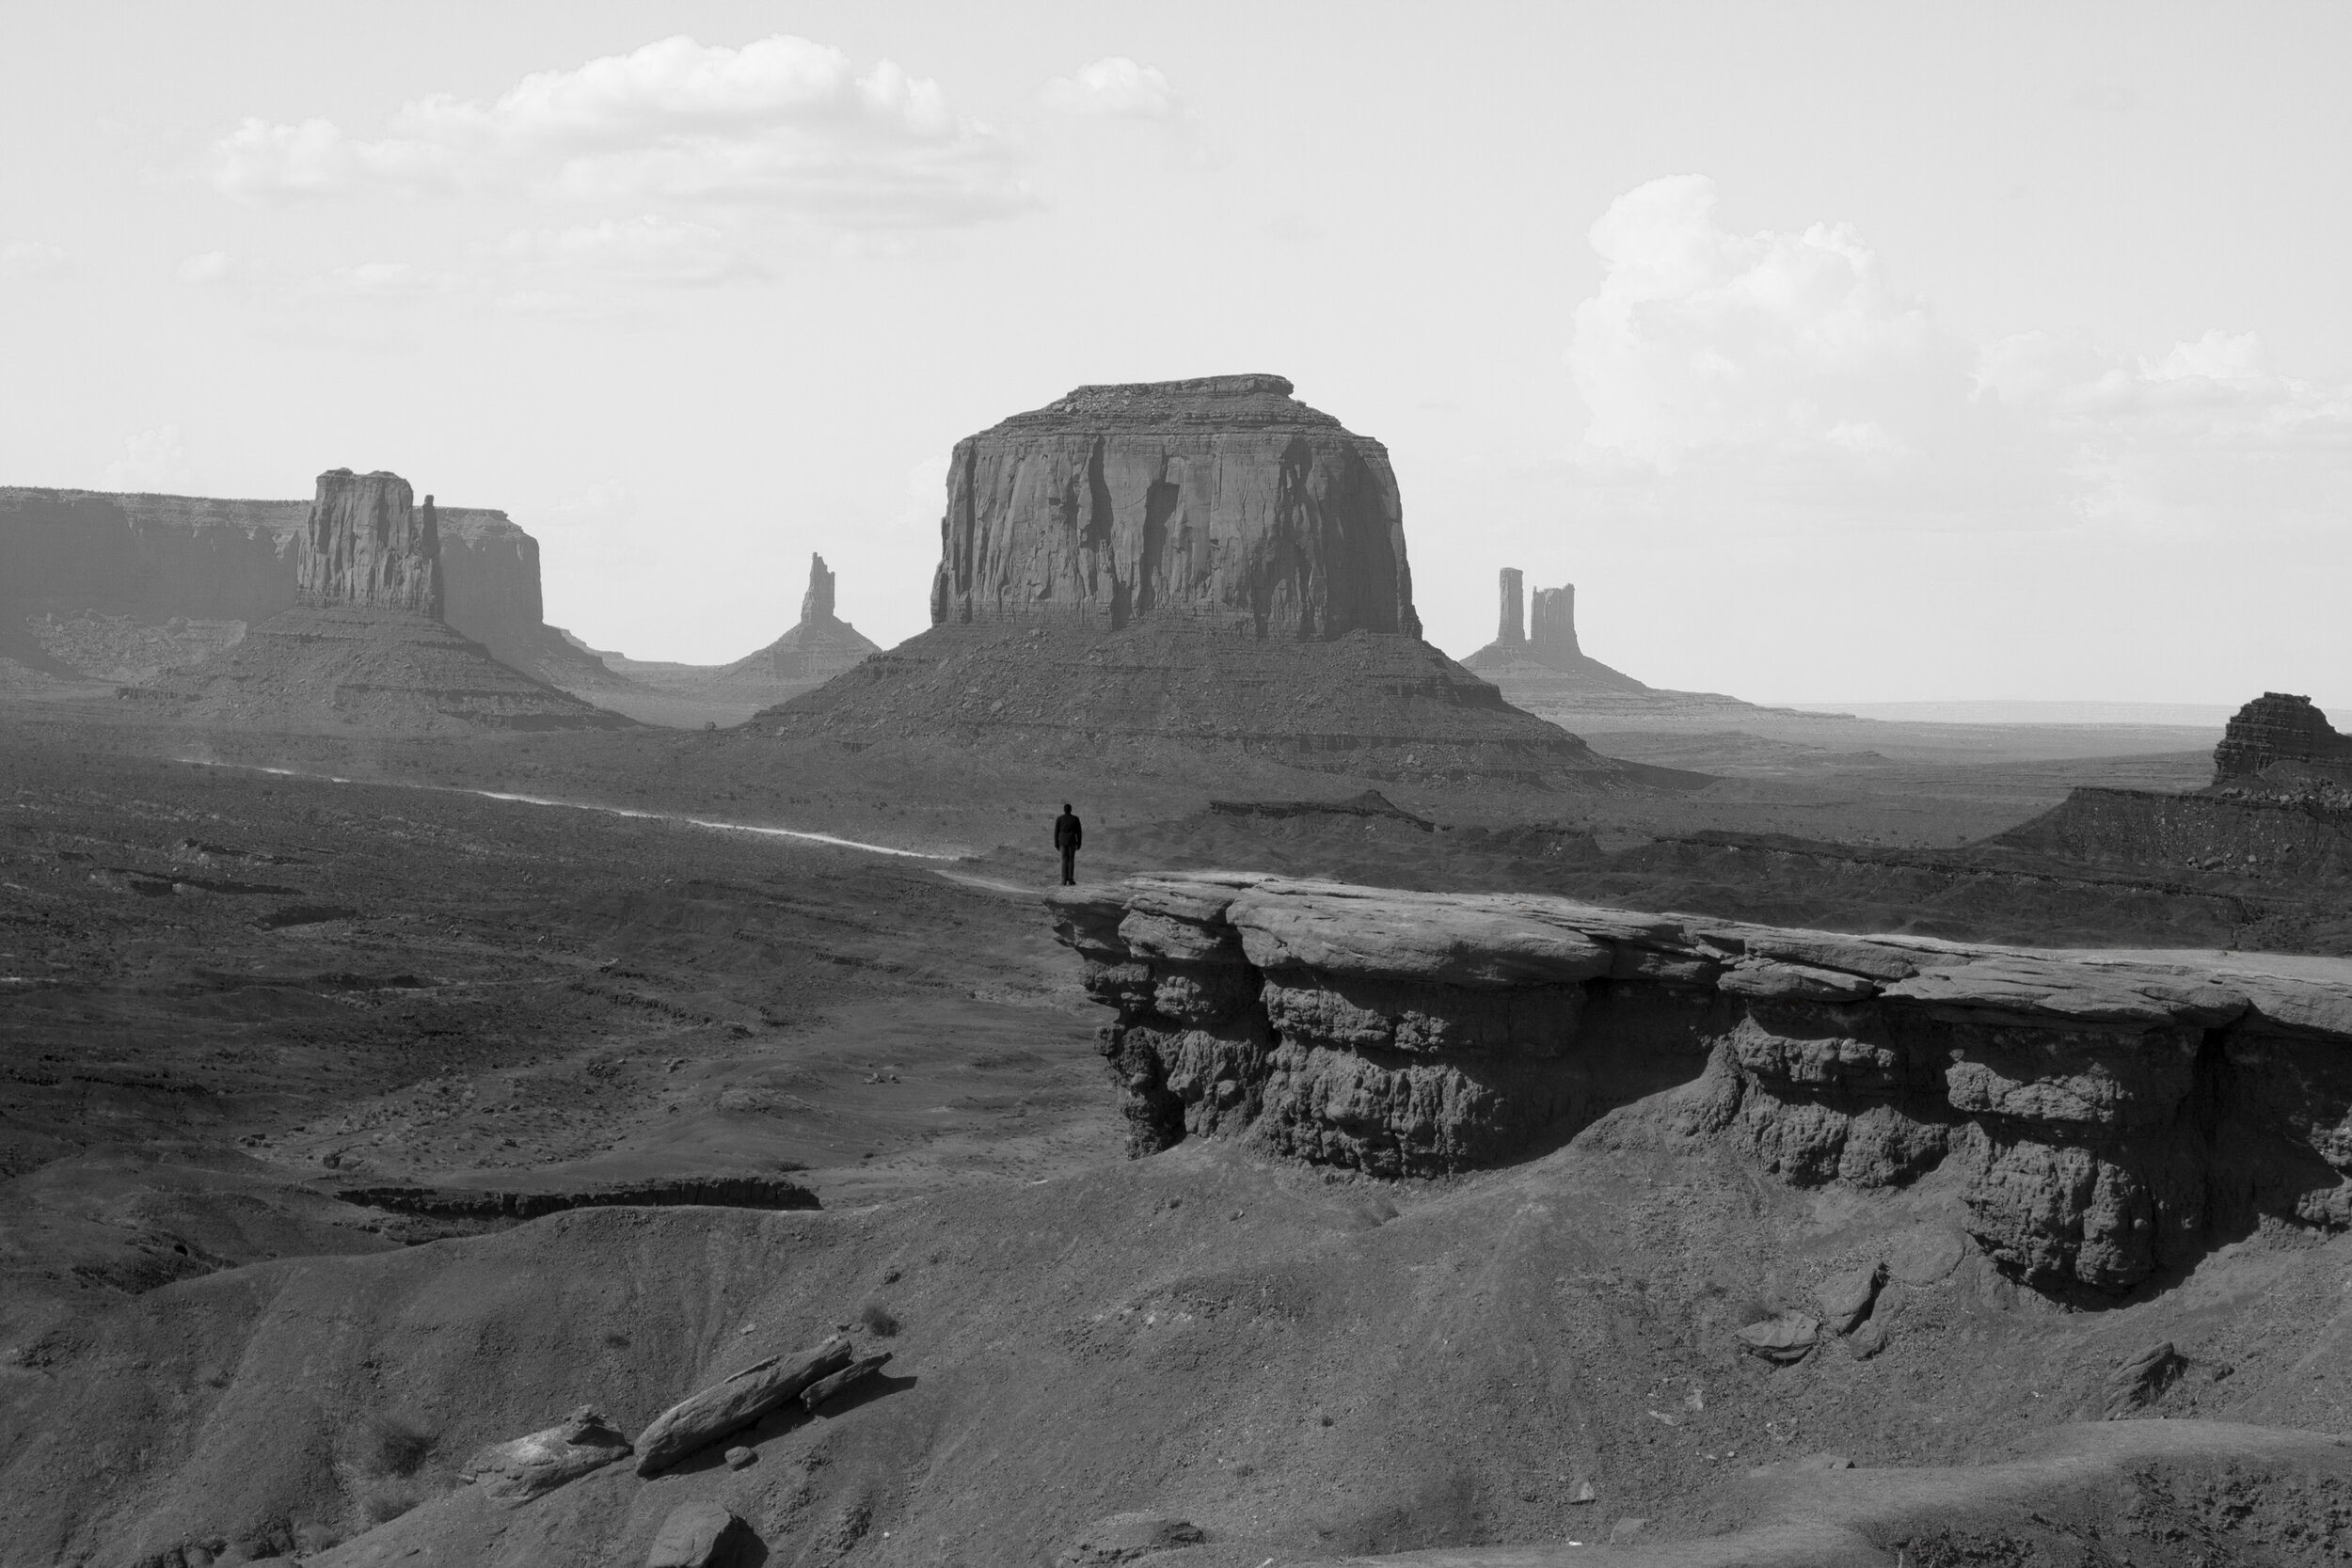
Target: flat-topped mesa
point(366, 544)
point(2107, 1115)
point(2278, 727)
point(1220, 500)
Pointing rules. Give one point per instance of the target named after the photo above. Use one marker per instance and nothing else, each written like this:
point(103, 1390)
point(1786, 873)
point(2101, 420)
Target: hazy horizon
point(1926, 358)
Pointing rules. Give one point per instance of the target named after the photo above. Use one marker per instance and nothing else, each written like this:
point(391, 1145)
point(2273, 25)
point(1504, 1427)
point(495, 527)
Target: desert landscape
point(471, 1095)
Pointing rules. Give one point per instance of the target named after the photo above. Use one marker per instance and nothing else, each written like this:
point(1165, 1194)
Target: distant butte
point(1185, 565)
point(367, 644)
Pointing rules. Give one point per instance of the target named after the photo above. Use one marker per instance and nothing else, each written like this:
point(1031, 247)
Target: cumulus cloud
point(30, 259)
point(1116, 88)
point(781, 122)
point(1782, 380)
point(153, 461)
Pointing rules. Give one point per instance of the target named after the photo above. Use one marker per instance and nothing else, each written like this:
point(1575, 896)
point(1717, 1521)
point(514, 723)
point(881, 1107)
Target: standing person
point(1068, 835)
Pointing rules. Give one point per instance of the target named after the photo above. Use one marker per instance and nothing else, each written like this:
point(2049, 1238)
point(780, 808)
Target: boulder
point(1845, 1298)
point(704, 1535)
point(709, 1413)
point(1124, 1537)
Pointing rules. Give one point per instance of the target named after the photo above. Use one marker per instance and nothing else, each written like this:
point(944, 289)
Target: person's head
point(1065, 808)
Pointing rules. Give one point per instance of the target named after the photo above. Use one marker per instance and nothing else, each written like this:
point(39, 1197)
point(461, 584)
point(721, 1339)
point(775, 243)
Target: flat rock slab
point(1124, 1537)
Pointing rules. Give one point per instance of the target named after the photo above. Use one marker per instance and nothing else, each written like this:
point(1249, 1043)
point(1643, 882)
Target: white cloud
point(30, 259)
point(1115, 87)
point(205, 267)
point(385, 280)
point(781, 122)
point(1778, 381)
point(645, 249)
point(153, 461)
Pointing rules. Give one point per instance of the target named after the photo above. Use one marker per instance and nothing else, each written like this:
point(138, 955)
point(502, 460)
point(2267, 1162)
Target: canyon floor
point(234, 1003)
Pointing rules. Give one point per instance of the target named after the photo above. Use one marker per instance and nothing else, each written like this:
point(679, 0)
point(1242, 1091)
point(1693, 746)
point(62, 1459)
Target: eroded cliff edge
point(2111, 1116)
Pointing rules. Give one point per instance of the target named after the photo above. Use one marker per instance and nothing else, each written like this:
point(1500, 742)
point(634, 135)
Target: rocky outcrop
point(1223, 498)
point(1551, 652)
point(703, 1417)
point(2111, 1117)
point(367, 645)
point(537, 1462)
point(1174, 571)
point(366, 543)
point(2277, 728)
point(120, 587)
point(820, 646)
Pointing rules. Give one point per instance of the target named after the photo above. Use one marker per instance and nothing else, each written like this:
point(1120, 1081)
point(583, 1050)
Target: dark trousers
point(1070, 867)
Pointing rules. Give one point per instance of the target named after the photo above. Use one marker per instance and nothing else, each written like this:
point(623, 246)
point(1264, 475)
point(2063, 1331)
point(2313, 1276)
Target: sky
point(1861, 352)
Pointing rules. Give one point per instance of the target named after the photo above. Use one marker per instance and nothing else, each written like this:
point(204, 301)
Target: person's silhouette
point(1067, 836)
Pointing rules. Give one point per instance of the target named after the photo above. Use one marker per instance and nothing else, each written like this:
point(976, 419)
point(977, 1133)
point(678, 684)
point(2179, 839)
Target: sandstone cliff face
point(367, 543)
point(1222, 499)
point(2108, 1117)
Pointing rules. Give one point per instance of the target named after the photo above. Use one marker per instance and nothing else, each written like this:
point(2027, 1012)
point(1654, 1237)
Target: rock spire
point(1511, 628)
point(817, 603)
point(1552, 633)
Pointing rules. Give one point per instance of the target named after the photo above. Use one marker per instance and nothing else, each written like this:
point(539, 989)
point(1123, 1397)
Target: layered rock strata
point(367, 645)
point(1203, 564)
point(2279, 810)
point(2109, 1117)
point(820, 645)
point(2277, 728)
point(119, 587)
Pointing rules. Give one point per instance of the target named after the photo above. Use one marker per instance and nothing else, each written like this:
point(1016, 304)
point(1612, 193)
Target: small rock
point(740, 1458)
point(1626, 1530)
point(1584, 1492)
point(1825, 1462)
point(700, 1535)
point(1784, 1341)
point(1845, 1298)
point(1124, 1537)
point(1866, 1341)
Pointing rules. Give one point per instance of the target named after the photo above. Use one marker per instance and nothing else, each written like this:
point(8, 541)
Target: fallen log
point(723, 1407)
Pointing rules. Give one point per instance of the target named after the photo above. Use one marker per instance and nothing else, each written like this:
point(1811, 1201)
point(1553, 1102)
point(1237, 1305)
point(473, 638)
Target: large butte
point(367, 644)
point(1185, 567)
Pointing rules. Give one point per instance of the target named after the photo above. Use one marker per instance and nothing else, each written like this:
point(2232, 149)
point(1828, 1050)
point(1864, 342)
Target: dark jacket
point(1066, 834)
